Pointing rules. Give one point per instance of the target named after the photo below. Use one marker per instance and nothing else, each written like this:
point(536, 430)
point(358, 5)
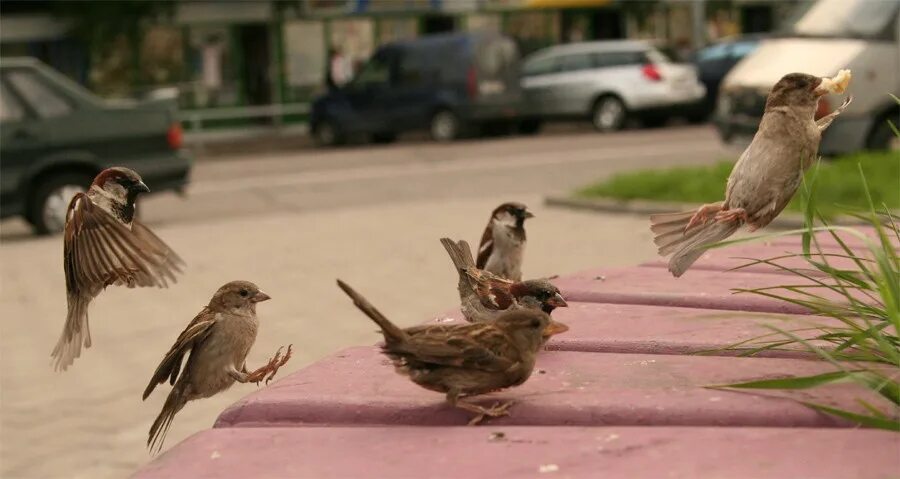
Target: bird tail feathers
point(174, 402)
point(391, 332)
point(76, 332)
point(687, 245)
point(460, 253)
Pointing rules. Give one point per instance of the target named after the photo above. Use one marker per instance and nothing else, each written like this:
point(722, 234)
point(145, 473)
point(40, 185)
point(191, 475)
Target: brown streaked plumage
point(484, 296)
point(218, 341)
point(503, 242)
point(103, 245)
point(464, 359)
point(763, 180)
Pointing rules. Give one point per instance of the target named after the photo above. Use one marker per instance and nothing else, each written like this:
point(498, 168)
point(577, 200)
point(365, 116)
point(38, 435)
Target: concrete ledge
point(359, 387)
point(622, 328)
point(698, 288)
point(517, 452)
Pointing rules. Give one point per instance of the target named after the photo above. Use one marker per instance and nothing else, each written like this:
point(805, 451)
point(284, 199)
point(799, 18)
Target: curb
point(644, 208)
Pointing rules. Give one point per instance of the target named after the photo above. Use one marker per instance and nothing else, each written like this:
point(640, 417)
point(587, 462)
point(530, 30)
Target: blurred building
point(241, 54)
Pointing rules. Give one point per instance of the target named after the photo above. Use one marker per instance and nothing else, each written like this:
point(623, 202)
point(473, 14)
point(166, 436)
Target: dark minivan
point(448, 84)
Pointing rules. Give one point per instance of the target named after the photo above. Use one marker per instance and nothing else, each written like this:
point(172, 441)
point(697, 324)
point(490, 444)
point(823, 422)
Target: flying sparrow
point(503, 241)
point(104, 245)
point(765, 177)
point(484, 296)
point(218, 340)
point(464, 359)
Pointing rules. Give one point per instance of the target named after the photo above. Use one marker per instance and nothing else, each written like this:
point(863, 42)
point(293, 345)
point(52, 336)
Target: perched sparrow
point(503, 241)
point(484, 296)
point(104, 245)
point(464, 359)
point(218, 339)
point(764, 178)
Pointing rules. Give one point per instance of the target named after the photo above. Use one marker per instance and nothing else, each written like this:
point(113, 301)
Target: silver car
point(608, 81)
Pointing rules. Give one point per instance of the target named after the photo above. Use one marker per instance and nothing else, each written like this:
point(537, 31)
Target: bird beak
point(557, 301)
point(555, 328)
point(260, 297)
point(527, 214)
point(822, 89)
point(140, 187)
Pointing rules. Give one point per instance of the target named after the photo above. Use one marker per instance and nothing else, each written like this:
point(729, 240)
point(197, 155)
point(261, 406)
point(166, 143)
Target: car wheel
point(530, 127)
point(445, 126)
point(882, 137)
point(609, 114)
point(49, 202)
point(327, 134)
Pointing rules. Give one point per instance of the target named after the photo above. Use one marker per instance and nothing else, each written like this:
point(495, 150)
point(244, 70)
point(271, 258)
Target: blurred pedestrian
point(339, 70)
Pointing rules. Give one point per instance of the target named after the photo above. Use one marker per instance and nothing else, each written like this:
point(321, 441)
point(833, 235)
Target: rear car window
point(579, 61)
point(542, 66)
point(10, 108)
point(617, 59)
point(497, 58)
point(44, 101)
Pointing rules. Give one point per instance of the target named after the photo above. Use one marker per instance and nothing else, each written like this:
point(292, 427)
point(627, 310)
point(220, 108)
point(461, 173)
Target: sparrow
point(485, 296)
point(218, 340)
point(104, 245)
point(503, 241)
point(765, 177)
point(464, 359)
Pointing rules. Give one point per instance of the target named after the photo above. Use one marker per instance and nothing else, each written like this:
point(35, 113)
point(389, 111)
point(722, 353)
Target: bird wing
point(195, 332)
point(473, 346)
point(492, 290)
point(99, 251)
point(485, 247)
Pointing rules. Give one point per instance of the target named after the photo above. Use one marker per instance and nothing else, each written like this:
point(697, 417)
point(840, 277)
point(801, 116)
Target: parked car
point(56, 136)
point(714, 61)
point(606, 82)
point(824, 37)
point(448, 84)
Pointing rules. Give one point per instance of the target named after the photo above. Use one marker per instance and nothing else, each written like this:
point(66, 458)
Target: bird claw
point(732, 214)
point(497, 410)
point(702, 215)
point(270, 368)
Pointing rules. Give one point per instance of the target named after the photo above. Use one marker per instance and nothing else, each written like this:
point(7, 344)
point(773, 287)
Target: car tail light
point(650, 72)
point(823, 108)
point(472, 82)
point(175, 136)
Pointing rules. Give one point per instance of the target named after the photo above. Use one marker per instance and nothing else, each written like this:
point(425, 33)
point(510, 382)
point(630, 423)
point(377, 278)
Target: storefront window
point(533, 30)
point(353, 38)
point(393, 29)
point(305, 58)
point(483, 22)
point(162, 57)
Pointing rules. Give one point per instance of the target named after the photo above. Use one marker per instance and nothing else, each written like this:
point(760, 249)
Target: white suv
point(608, 81)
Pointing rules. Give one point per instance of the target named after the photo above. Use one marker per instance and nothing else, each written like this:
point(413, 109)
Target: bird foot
point(732, 214)
point(271, 367)
point(703, 213)
point(499, 409)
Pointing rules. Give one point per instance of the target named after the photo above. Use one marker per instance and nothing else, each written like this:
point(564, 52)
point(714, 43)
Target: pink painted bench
point(623, 394)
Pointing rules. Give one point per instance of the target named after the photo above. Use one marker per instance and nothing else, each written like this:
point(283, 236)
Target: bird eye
point(244, 293)
point(535, 323)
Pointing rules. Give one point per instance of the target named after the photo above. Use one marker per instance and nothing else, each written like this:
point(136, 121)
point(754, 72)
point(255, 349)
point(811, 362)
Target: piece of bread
point(837, 83)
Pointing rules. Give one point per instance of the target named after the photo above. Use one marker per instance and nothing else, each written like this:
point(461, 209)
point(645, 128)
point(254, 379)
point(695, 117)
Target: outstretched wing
point(170, 366)
point(99, 251)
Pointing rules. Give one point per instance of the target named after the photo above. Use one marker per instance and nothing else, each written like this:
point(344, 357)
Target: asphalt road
point(292, 222)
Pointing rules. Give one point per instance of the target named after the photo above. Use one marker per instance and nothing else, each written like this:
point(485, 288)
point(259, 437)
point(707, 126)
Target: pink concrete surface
point(624, 328)
point(739, 256)
point(696, 289)
point(517, 452)
point(358, 386)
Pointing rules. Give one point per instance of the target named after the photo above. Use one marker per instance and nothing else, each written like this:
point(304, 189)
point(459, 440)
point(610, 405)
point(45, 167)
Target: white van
point(823, 37)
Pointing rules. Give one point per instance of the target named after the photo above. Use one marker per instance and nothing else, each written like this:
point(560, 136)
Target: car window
point(542, 66)
point(657, 57)
point(617, 59)
point(580, 61)
point(377, 71)
point(10, 108)
point(713, 53)
point(742, 49)
point(44, 101)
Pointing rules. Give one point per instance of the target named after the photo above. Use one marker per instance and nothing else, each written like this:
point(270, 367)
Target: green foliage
point(706, 184)
point(100, 22)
